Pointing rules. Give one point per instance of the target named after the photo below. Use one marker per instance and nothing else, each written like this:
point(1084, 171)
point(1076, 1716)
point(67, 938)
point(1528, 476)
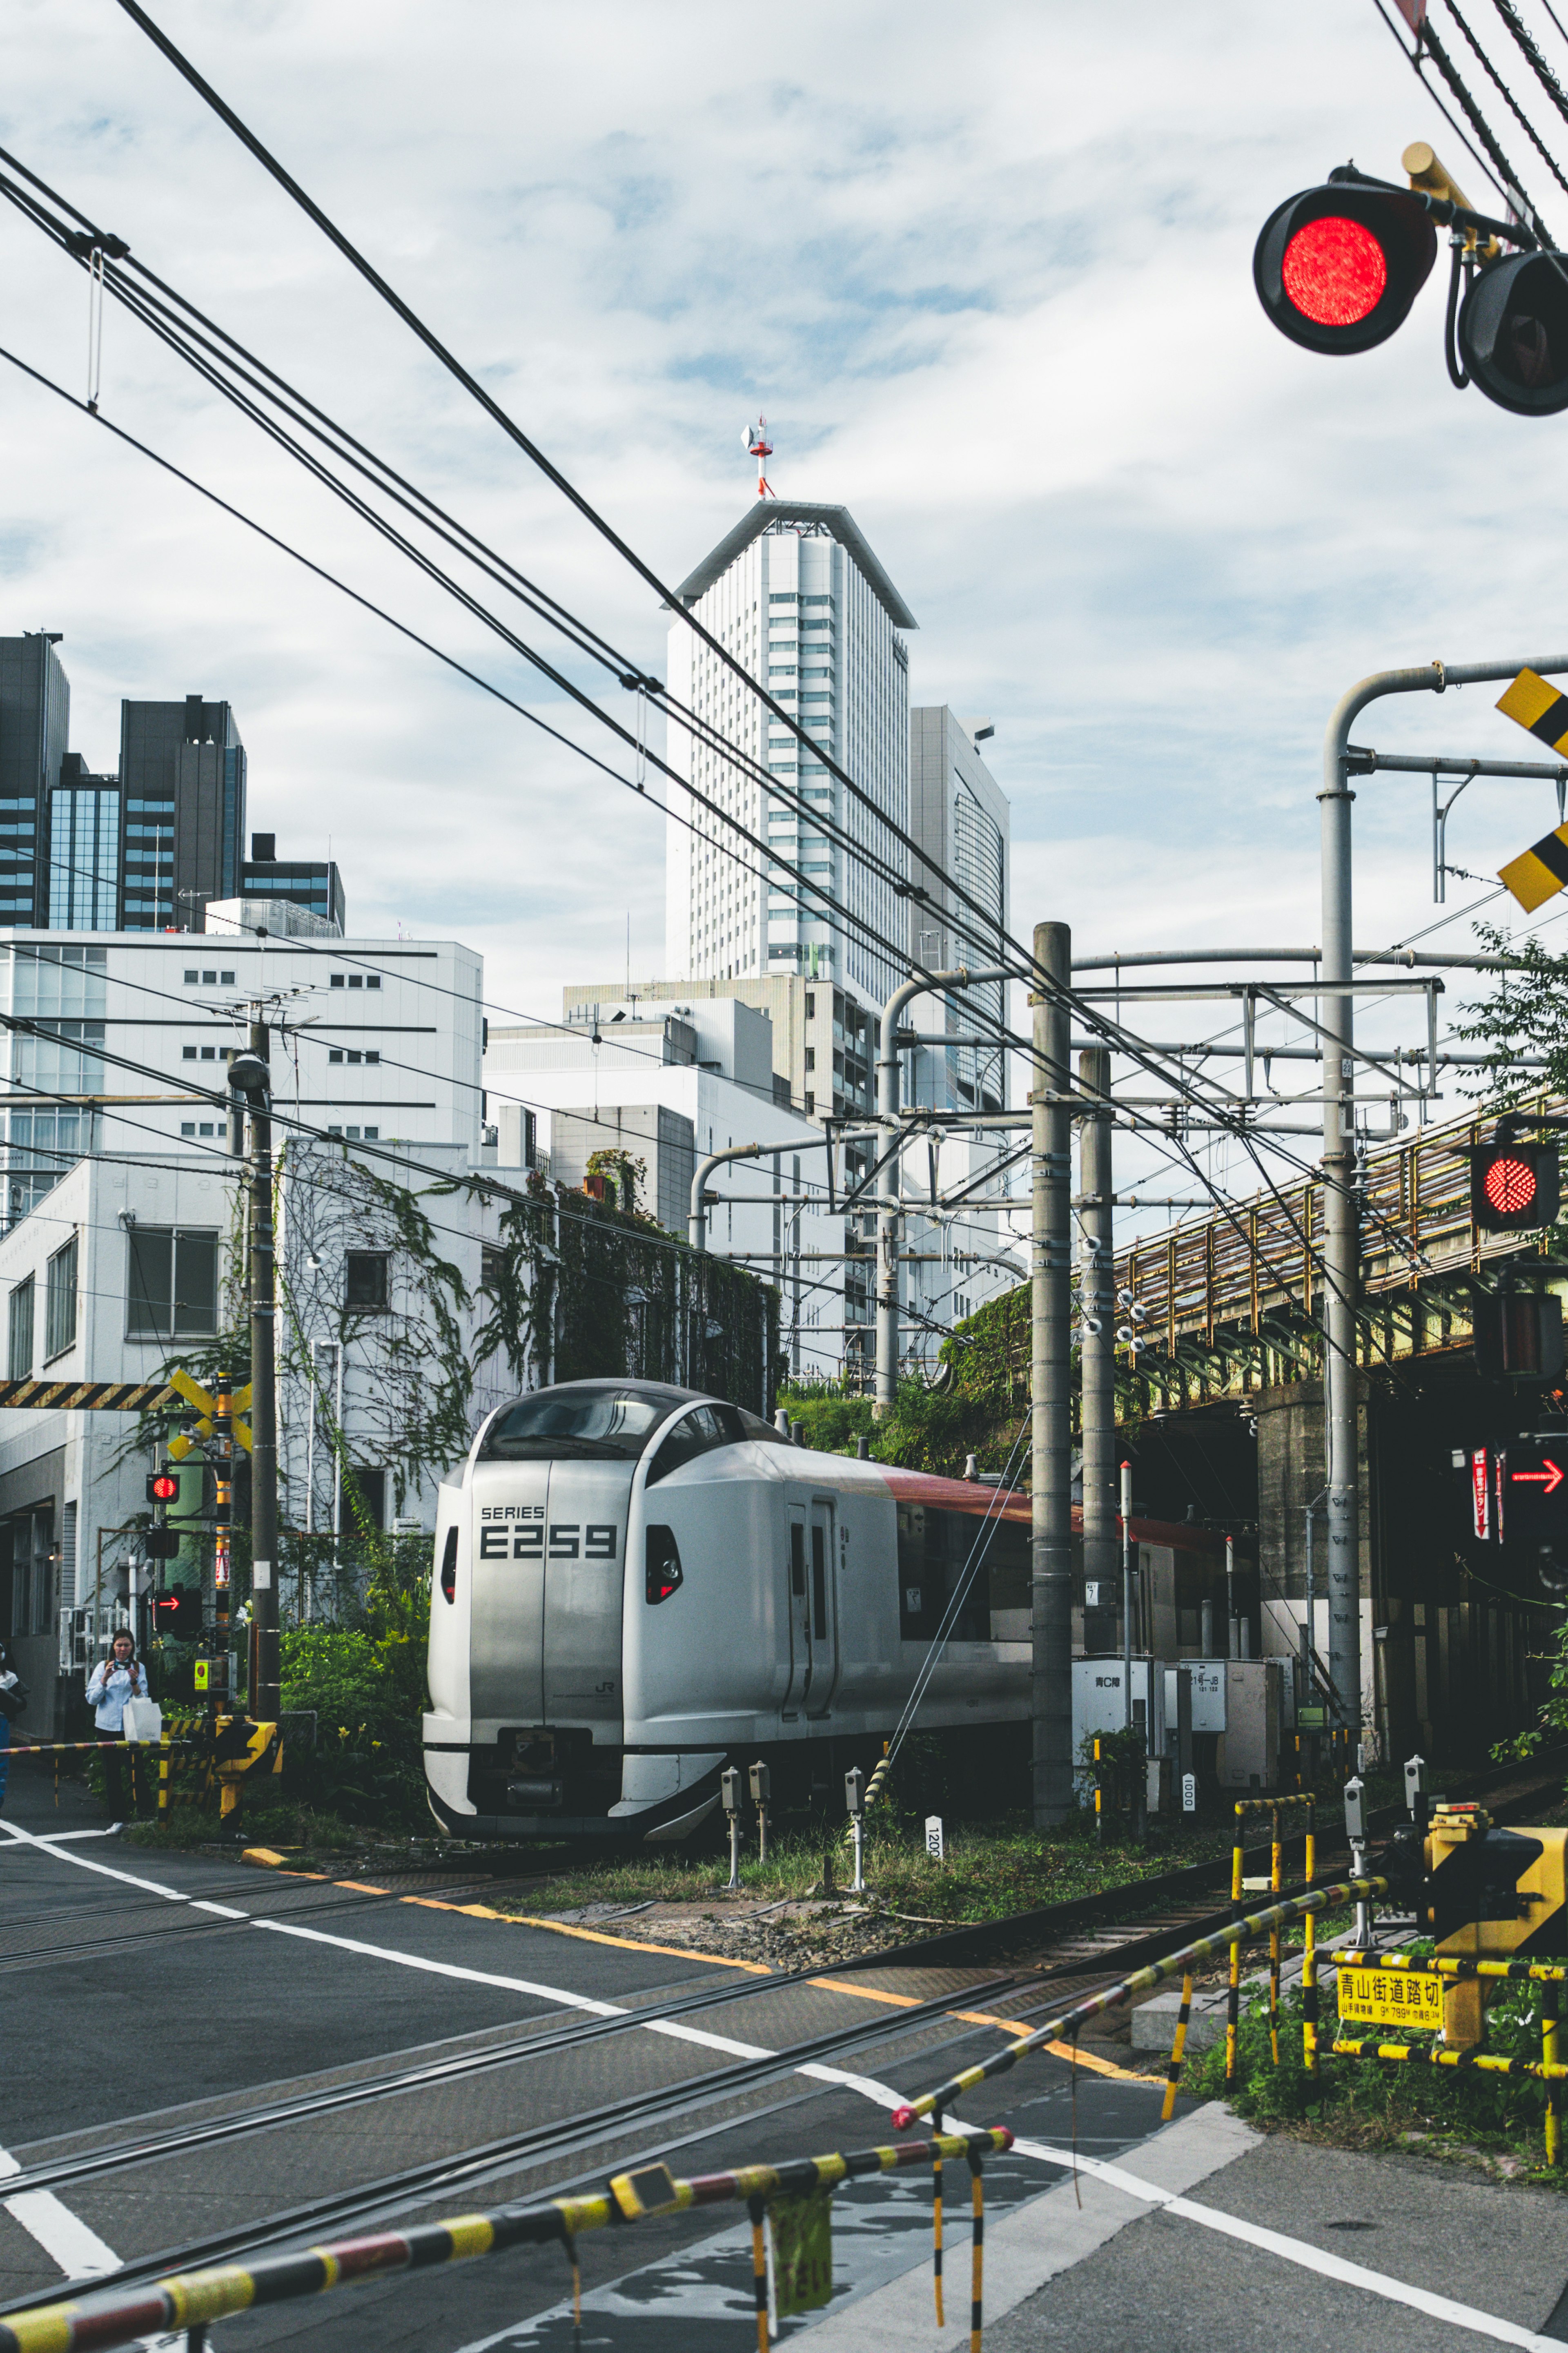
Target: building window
point(492, 1272)
point(366, 1280)
point(337, 980)
point(188, 1128)
point(188, 1053)
point(334, 1053)
point(369, 1486)
point(171, 1283)
point(59, 1312)
point(811, 1057)
point(19, 1336)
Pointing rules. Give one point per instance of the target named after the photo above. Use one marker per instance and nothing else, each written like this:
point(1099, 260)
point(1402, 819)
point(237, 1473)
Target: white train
point(637, 1585)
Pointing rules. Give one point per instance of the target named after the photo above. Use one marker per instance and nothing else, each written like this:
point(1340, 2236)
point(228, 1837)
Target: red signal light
point(1338, 267)
point(1335, 271)
point(165, 1487)
point(1510, 1185)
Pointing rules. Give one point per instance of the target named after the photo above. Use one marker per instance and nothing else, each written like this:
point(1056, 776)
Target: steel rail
point(118, 2154)
point(437, 2176)
point(107, 2319)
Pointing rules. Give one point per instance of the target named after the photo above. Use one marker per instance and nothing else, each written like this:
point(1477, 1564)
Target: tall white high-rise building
point(797, 596)
point(960, 822)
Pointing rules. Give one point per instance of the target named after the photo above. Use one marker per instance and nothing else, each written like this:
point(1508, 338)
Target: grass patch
point(991, 1870)
point(299, 1828)
point(1368, 2105)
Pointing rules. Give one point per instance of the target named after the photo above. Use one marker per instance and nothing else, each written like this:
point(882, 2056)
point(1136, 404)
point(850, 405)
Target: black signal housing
point(1512, 333)
point(1515, 1188)
point(1338, 267)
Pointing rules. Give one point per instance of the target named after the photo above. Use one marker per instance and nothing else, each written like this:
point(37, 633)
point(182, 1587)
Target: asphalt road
point(151, 1993)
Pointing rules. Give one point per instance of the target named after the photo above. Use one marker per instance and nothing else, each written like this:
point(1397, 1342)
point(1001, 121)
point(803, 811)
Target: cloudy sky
point(988, 273)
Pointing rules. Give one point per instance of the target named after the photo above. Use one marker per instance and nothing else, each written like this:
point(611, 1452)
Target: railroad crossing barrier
point(1273, 1807)
point(771, 2194)
point(236, 1747)
point(1177, 1964)
point(1385, 2005)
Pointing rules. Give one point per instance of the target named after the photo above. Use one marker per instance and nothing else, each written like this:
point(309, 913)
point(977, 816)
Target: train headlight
point(664, 1571)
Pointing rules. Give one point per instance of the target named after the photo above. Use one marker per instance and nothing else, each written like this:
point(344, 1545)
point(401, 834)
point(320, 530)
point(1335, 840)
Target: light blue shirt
point(111, 1685)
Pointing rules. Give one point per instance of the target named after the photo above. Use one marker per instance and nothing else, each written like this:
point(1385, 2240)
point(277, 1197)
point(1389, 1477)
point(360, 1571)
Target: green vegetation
point(991, 1869)
point(977, 1403)
point(1367, 2103)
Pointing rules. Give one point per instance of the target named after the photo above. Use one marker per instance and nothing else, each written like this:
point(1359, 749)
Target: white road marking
point(1290, 2251)
point(63, 2236)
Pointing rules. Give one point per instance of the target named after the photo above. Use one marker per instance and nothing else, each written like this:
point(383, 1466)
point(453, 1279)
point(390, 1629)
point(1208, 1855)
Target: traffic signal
point(177, 1614)
point(163, 1487)
point(1513, 333)
point(1514, 1187)
point(1338, 267)
point(161, 1544)
point(1519, 1336)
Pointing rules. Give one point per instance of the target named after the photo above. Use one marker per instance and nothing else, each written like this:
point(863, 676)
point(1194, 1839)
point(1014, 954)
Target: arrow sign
point(1549, 1480)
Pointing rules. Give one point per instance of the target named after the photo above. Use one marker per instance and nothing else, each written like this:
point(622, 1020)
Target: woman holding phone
point(113, 1681)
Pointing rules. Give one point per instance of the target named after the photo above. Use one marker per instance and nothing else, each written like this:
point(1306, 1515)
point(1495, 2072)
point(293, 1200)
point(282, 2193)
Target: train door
point(798, 1577)
point(824, 1581)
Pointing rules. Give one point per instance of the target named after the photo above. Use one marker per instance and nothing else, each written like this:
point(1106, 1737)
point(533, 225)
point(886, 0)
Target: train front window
point(607, 1423)
point(697, 1432)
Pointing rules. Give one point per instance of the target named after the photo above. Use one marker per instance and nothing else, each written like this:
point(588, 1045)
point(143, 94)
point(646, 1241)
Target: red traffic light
point(1338, 267)
point(1513, 333)
point(1514, 1187)
point(1509, 1184)
point(163, 1487)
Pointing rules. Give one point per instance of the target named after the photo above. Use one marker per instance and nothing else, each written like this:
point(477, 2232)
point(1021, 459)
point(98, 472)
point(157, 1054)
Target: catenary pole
point(889, 1198)
point(1097, 1350)
point(1341, 1235)
point(1050, 1374)
point(266, 1697)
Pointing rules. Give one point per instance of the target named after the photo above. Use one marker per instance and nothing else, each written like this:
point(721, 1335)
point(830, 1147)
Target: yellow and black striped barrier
point(1178, 2051)
point(1157, 1973)
point(1273, 1807)
point(1549, 1975)
point(193, 2300)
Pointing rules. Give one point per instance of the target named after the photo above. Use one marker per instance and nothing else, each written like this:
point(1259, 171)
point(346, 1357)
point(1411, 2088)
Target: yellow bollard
point(1550, 2000)
point(1178, 2051)
point(1232, 1996)
point(977, 2272)
point(757, 2208)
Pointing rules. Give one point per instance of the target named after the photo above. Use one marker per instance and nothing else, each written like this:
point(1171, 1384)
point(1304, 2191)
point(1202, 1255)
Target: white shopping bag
point(144, 1720)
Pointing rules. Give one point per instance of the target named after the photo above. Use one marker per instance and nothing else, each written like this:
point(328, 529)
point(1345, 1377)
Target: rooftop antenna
point(761, 450)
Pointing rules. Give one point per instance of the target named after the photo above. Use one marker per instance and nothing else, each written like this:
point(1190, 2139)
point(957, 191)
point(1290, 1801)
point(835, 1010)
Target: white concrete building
point(695, 1077)
point(961, 819)
point(129, 1266)
point(797, 596)
point(372, 1039)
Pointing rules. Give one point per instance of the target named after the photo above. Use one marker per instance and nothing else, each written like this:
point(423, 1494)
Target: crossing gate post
point(1178, 2049)
point(1309, 1954)
point(1232, 1990)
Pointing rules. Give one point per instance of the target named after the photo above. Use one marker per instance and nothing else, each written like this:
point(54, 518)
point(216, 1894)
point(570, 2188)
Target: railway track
point(511, 2152)
point(1081, 1954)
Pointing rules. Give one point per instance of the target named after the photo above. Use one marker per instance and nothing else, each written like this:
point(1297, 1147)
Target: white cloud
point(989, 273)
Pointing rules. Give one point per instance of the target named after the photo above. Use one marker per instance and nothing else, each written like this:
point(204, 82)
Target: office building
point(83, 850)
point(312, 884)
point(795, 595)
point(182, 775)
point(959, 820)
point(35, 727)
point(379, 1040)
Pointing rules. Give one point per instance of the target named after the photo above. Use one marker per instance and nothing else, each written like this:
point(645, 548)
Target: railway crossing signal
point(163, 1487)
point(1338, 267)
point(1514, 1187)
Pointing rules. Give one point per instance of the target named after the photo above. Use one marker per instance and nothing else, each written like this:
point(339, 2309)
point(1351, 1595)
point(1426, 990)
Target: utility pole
point(1050, 1379)
point(1096, 1323)
point(250, 1076)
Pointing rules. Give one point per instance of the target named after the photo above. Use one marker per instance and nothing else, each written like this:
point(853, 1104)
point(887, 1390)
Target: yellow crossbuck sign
point(1541, 871)
point(206, 1407)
